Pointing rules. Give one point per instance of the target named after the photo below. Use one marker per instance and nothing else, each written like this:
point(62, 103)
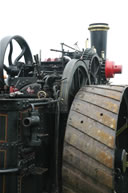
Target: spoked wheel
point(75, 75)
point(94, 65)
point(96, 141)
point(95, 75)
point(14, 68)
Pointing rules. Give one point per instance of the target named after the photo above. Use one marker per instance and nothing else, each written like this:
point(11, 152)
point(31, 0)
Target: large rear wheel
point(96, 141)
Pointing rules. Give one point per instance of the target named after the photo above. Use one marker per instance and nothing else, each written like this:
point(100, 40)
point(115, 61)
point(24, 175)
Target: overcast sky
point(46, 23)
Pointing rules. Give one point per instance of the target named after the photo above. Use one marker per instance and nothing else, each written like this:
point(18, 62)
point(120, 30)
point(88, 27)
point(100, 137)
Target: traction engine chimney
point(98, 32)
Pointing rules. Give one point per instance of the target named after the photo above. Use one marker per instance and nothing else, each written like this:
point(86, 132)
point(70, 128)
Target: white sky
point(46, 23)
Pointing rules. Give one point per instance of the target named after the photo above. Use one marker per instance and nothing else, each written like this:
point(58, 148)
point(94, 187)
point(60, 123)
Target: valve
point(111, 69)
point(31, 121)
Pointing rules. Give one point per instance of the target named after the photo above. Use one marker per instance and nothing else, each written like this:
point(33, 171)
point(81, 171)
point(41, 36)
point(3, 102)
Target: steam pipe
point(12, 170)
point(31, 121)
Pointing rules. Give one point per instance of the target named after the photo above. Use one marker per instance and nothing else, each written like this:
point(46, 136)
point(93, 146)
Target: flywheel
point(96, 141)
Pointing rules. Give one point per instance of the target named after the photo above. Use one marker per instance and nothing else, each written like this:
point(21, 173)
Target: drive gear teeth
point(103, 77)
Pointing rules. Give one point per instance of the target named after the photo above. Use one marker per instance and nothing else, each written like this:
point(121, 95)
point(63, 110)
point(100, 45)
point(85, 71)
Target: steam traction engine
point(63, 128)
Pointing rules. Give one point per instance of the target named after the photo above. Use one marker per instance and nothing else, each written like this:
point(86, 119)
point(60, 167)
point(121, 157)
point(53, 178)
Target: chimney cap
point(98, 27)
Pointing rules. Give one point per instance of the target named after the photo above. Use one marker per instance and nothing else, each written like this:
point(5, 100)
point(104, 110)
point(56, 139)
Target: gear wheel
point(103, 77)
point(94, 65)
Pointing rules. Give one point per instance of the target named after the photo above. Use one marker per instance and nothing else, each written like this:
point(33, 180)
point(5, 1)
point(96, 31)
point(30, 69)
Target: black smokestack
point(98, 33)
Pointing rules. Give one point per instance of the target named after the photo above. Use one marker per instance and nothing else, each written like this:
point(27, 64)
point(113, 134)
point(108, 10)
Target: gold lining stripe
point(20, 178)
point(5, 162)
point(98, 28)
point(125, 126)
point(6, 126)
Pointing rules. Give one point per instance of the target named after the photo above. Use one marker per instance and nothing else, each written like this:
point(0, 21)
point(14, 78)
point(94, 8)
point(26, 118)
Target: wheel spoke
point(76, 81)
point(96, 72)
point(10, 54)
point(122, 129)
point(79, 79)
point(78, 72)
point(20, 56)
point(86, 81)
